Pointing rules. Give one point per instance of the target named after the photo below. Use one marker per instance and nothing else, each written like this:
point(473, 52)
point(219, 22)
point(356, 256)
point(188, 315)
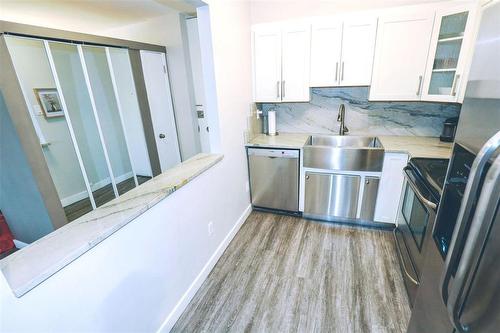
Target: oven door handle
point(400, 254)
point(426, 202)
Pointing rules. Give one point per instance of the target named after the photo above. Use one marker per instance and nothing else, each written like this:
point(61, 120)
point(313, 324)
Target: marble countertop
point(415, 146)
point(282, 140)
point(33, 264)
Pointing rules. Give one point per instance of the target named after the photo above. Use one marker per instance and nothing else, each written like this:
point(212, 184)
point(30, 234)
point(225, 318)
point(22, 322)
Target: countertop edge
point(20, 269)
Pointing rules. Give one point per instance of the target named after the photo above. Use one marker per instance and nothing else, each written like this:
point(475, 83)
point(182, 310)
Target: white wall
point(133, 280)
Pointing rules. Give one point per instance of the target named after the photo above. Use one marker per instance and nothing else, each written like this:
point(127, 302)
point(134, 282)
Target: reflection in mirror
point(44, 104)
point(83, 121)
point(110, 119)
point(122, 76)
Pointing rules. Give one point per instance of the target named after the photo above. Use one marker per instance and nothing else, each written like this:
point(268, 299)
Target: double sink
point(346, 153)
point(342, 176)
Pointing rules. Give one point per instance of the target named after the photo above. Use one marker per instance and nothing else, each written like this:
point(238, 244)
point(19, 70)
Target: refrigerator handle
point(484, 217)
point(465, 211)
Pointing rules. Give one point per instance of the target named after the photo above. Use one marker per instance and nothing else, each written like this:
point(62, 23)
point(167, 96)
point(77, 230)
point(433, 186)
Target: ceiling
point(101, 14)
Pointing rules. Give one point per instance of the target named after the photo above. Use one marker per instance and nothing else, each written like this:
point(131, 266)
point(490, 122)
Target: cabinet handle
point(283, 89)
point(277, 89)
point(454, 86)
point(419, 84)
point(342, 75)
point(336, 71)
point(307, 177)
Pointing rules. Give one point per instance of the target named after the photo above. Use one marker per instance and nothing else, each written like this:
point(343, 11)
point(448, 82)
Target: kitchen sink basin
point(344, 141)
point(344, 153)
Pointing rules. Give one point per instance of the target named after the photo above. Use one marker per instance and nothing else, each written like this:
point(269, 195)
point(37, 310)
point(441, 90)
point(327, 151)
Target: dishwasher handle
point(274, 153)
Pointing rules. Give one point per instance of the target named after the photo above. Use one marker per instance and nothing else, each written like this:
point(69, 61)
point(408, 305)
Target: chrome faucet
point(343, 130)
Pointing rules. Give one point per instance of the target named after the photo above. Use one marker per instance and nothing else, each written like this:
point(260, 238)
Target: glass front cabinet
point(449, 54)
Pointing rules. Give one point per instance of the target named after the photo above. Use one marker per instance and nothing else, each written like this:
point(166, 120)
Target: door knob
point(162, 136)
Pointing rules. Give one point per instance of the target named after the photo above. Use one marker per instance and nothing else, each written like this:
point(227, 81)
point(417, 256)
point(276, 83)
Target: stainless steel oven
point(416, 216)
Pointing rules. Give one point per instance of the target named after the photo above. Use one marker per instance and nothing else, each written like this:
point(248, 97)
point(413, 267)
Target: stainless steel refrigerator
point(460, 286)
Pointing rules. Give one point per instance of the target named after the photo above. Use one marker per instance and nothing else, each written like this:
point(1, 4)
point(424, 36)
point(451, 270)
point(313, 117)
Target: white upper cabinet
point(326, 43)
point(281, 57)
point(449, 55)
point(267, 64)
point(342, 52)
point(400, 56)
point(358, 46)
point(295, 58)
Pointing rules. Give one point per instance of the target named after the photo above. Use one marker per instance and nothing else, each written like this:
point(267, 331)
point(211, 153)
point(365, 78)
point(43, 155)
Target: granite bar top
point(282, 140)
point(415, 146)
point(30, 266)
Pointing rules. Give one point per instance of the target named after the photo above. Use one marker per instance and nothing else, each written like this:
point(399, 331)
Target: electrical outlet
point(247, 187)
point(210, 228)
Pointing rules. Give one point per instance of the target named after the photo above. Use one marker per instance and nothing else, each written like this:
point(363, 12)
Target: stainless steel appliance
point(424, 178)
point(460, 287)
point(274, 178)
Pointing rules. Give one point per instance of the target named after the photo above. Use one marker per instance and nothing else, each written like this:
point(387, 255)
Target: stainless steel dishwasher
point(274, 178)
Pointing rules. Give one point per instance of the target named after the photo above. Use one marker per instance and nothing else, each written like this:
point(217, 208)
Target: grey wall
point(362, 116)
point(20, 199)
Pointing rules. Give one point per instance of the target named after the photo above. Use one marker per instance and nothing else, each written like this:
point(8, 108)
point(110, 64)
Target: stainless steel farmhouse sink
point(345, 153)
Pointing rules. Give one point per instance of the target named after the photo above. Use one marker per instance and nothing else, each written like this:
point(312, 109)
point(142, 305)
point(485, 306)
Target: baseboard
point(179, 308)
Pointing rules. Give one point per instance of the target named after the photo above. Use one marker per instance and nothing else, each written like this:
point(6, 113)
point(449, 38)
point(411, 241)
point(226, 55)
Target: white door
point(358, 46)
point(267, 64)
point(296, 52)
point(400, 56)
point(326, 41)
point(154, 66)
point(450, 53)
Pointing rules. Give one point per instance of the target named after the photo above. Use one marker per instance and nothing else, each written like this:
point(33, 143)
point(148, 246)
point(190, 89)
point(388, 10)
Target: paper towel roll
point(271, 122)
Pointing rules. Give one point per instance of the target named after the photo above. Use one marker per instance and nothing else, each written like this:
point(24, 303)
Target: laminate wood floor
point(101, 196)
point(287, 274)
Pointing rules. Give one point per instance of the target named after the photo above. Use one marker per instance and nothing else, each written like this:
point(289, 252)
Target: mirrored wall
point(84, 109)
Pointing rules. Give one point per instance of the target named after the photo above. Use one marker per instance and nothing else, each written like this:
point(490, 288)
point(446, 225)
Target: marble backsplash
point(362, 116)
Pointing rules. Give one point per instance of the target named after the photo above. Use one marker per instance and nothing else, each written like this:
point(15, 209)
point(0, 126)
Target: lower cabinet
point(333, 195)
point(370, 190)
point(391, 185)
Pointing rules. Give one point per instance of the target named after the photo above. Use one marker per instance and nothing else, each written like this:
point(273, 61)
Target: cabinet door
point(296, 53)
point(358, 46)
point(400, 56)
point(391, 186)
point(267, 64)
point(331, 195)
point(449, 54)
point(326, 41)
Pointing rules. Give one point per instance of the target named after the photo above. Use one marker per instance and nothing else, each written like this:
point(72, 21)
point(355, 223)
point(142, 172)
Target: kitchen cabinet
point(281, 62)
point(449, 54)
point(267, 64)
point(326, 43)
point(368, 203)
point(401, 51)
point(331, 195)
point(342, 52)
point(391, 186)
